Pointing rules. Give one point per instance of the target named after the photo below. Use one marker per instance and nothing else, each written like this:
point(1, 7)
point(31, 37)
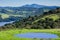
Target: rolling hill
point(49, 20)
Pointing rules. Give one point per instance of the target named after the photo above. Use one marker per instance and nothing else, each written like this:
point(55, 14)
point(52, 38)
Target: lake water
point(3, 23)
point(36, 35)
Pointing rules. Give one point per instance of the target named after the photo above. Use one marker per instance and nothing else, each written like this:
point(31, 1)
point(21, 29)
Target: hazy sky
point(23, 2)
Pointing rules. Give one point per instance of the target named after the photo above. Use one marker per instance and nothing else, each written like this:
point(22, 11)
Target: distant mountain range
point(24, 11)
point(39, 6)
point(31, 6)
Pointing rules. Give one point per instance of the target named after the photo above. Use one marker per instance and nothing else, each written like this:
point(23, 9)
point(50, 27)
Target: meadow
point(10, 33)
point(4, 16)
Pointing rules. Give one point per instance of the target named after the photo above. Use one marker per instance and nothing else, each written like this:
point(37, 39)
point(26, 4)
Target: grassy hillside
point(53, 16)
point(48, 20)
point(4, 16)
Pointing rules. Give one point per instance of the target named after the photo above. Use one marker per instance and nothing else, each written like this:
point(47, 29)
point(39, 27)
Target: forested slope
point(49, 20)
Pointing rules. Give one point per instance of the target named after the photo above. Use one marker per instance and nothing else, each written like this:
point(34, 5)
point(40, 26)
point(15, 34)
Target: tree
point(58, 10)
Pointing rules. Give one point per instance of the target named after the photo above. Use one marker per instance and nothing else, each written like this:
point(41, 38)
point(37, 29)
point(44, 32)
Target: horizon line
point(29, 4)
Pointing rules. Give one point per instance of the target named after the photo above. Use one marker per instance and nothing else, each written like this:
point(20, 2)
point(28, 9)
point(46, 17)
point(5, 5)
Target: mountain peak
point(34, 5)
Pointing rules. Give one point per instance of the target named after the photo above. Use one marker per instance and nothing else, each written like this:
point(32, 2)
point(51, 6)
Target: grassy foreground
point(9, 34)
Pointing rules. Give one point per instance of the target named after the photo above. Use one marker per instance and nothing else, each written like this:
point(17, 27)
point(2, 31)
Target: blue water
point(3, 23)
point(37, 35)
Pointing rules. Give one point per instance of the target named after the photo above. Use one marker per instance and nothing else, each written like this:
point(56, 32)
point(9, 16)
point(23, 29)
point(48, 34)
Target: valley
point(30, 19)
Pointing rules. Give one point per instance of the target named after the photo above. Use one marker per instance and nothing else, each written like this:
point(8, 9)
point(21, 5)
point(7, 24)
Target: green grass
point(8, 15)
point(53, 16)
point(9, 34)
point(4, 15)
